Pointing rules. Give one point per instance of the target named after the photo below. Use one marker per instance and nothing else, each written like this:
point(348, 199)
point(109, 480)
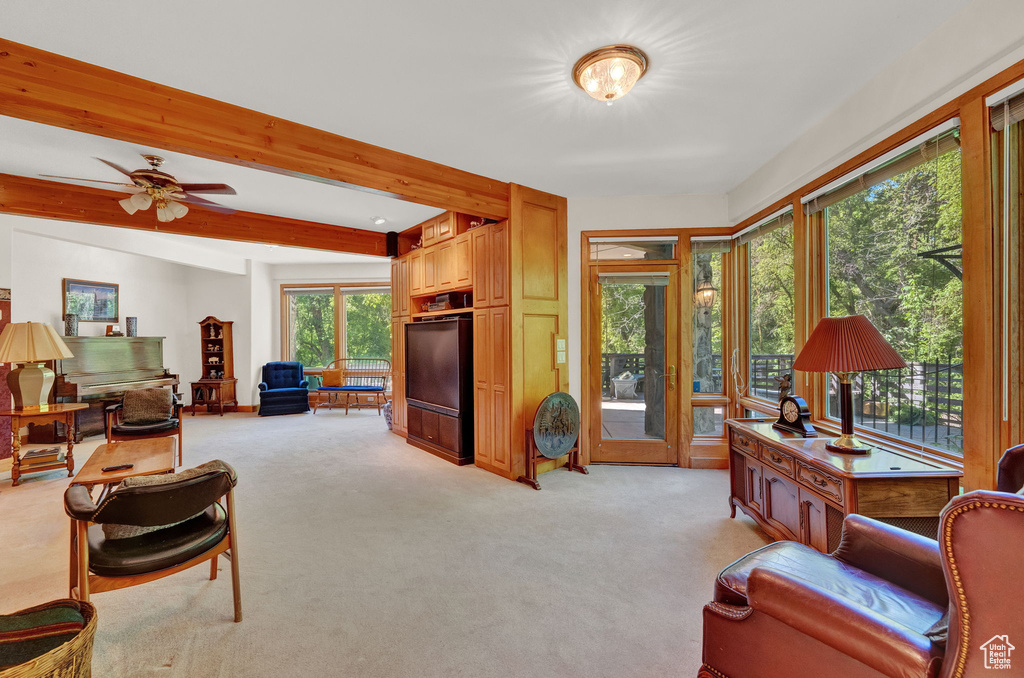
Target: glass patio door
point(637, 312)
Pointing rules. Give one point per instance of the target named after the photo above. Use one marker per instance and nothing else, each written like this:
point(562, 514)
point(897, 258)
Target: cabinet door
point(482, 404)
point(463, 261)
point(429, 236)
point(416, 273)
point(781, 503)
point(497, 264)
point(445, 226)
point(499, 337)
point(430, 270)
point(481, 245)
point(398, 414)
point(396, 285)
point(403, 292)
point(446, 266)
point(752, 486)
point(813, 521)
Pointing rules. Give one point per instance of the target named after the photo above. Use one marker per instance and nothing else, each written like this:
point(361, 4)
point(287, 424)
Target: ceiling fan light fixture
point(178, 210)
point(609, 73)
point(127, 205)
point(142, 200)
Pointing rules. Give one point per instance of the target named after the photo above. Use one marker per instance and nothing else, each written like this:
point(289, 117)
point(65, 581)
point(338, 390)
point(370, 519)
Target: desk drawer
point(824, 484)
point(781, 461)
point(743, 443)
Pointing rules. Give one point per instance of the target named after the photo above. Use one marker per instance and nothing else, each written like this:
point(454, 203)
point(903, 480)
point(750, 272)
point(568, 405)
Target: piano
point(103, 368)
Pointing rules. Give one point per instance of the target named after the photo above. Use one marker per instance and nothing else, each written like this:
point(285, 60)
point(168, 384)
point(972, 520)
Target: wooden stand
point(62, 412)
point(533, 458)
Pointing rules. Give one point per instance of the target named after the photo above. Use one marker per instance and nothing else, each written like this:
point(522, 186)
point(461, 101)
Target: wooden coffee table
point(150, 456)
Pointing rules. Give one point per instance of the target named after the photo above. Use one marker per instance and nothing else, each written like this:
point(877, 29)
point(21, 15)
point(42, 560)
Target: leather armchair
point(152, 527)
point(877, 606)
point(118, 429)
point(284, 389)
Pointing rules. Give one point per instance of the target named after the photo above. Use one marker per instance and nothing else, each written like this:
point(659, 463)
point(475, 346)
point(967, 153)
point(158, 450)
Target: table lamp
point(31, 344)
point(847, 346)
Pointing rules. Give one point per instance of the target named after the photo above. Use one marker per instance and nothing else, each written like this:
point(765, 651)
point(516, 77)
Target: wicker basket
point(73, 659)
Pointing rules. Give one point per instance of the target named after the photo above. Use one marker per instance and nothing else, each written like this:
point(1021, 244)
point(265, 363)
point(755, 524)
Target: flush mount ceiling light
point(378, 221)
point(609, 73)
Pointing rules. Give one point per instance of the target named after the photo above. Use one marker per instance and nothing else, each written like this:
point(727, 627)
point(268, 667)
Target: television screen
point(432, 363)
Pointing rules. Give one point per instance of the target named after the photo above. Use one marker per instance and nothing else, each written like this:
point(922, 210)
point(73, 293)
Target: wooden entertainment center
point(513, 273)
point(796, 489)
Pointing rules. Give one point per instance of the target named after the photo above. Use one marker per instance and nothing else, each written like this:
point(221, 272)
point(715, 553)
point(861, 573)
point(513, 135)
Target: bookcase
point(216, 388)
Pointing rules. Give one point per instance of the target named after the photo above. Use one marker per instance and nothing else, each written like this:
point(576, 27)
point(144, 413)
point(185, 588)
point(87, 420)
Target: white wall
point(980, 41)
point(150, 289)
point(629, 212)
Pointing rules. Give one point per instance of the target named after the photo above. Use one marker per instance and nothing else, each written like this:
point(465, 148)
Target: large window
point(325, 323)
point(771, 307)
point(707, 315)
point(894, 243)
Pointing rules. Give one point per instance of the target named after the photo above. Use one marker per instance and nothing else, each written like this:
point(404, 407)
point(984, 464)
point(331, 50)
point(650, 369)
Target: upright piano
point(103, 368)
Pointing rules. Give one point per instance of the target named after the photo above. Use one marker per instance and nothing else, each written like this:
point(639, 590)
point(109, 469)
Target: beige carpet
point(363, 556)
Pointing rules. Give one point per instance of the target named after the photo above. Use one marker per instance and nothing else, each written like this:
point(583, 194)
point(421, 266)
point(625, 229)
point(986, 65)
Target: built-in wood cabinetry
point(516, 273)
point(794, 488)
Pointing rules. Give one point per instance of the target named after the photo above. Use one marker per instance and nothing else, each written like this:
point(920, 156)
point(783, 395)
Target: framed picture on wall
point(91, 301)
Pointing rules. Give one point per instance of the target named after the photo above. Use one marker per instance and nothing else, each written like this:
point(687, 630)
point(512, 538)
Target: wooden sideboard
point(796, 489)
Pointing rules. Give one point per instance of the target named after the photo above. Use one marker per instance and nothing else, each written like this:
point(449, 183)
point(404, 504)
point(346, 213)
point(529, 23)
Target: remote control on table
point(119, 467)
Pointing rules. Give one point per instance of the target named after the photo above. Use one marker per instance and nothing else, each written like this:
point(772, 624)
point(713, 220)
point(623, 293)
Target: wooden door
point(497, 263)
point(483, 417)
point(463, 261)
point(781, 505)
point(753, 486)
point(446, 266)
point(634, 364)
point(491, 407)
point(430, 270)
point(445, 226)
point(403, 286)
point(429, 236)
point(416, 273)
point(481, 245)
point(398, 411)
point(813, 521)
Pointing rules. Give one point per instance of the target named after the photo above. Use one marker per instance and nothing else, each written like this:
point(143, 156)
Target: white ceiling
point(484, 85)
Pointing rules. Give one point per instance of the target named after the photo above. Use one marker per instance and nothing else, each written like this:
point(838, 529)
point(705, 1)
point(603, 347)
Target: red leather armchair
point(877, 605)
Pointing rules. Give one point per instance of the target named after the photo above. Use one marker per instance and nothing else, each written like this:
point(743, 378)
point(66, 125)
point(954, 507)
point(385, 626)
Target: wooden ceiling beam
point(68, 202)
point(48, 88)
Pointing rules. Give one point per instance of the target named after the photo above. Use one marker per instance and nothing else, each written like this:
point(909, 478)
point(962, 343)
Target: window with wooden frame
point(771, 296)
point(323, 323)
point(893, 241)
point(709, 399)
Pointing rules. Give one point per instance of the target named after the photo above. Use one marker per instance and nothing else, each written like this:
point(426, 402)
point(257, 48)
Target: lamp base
point(30, 385)
point(847, 444)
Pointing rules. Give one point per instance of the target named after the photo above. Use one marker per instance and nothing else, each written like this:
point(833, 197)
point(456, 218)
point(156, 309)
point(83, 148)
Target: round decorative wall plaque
point(557, 425)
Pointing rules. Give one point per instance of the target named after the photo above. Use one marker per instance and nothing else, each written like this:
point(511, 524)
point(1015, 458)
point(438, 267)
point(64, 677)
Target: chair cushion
point(31, 633)
point(331, 378)
point(284, 392)
point(282, 374)
point(360, 389)
point(845, 581)
point(147, 406)
point(146, 429)
point(158, 550)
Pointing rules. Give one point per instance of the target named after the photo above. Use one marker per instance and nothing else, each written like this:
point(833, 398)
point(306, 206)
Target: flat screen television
point(438, 364)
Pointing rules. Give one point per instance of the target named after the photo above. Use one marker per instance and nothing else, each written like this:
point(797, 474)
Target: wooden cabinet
point(400, 290)
point(796, 489)
point(489, 247)
point(430, 270)
point(490, 392)
point(398, 408)
point(446, 266)
point(463, 261)
point(217, 385)
point(439, 229)
point(416, 273)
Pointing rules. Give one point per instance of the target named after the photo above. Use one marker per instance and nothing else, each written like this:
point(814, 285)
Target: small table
point(44, 414)
point(210, 392)
point(150, 456)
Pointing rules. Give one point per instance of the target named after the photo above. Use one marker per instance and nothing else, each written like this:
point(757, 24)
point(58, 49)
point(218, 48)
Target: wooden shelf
point(447, 311)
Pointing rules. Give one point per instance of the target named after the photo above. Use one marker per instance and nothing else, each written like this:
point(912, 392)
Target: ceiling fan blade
point(208, 188)
point(208, 204)
point(115, 166)
point(95, 181)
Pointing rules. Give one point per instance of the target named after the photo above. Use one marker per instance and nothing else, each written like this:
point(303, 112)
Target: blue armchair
point(283, 389)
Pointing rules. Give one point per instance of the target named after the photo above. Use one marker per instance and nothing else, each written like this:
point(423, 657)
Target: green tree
point(368, 325)
point(312, 322)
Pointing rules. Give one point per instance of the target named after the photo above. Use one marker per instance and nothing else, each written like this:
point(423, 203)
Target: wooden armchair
point(145, 413)
point(352, 377)
point(152, 527)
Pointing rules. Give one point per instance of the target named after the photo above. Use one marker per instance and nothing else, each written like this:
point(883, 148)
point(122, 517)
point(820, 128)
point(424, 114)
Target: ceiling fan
point(160, 188)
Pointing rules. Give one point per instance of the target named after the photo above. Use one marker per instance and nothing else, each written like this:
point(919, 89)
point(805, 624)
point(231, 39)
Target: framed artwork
point(91, 301)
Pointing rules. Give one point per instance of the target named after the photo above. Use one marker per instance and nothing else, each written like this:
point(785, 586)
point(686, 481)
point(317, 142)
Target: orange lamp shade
point(845, 345)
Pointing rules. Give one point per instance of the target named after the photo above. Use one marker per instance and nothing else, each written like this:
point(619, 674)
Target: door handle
point(671, 376)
